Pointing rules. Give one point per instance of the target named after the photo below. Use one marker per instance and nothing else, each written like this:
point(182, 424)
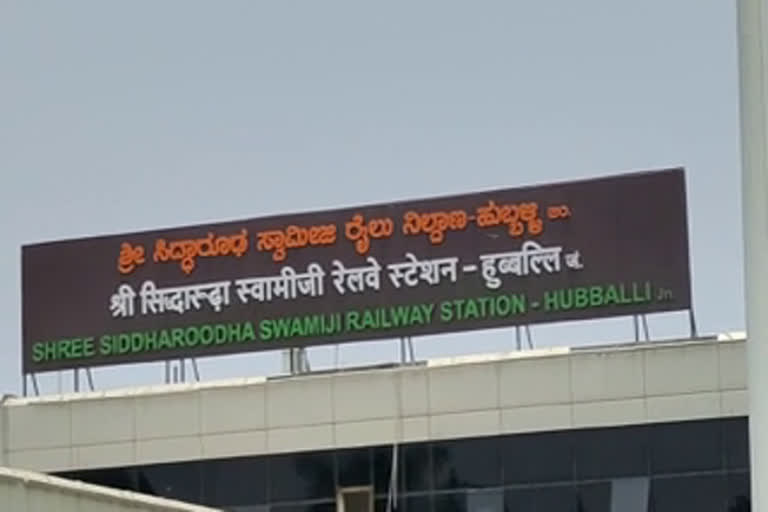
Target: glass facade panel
point(594, 497)
point(696, 466)
point(485, 501)
point(738, 492)
point(354, 467)
point(302, 476)
point(736, 441)
point(630, 494)
point(235, 482)
point(453, 502)
point(531, 458)
point(561, 498)
point(418, 466)
point(179, 481)
point(694, 493)
point(382, 470)
point(417, 503)
point(686, 446)
point(520, 500)
point(611, 453)
point(466, 464)
point(470, 501)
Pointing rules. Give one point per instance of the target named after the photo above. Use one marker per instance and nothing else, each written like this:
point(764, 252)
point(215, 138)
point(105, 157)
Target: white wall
point(21, 491)
point(509, 393)
point(753, 81)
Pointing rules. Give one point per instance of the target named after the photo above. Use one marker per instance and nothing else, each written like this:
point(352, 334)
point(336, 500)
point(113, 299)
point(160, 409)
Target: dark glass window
point(485, 501)
point(736, 441)
point(301, 476)
point(382, 470)
point(467, 463)
point(538, 458)
point(354, 467)
point(739, 504)
point(548, 498)
point(406, 504)
point(738, 493)
point(686, 447)
point(594, 497)
point(454, 502)
point(520, 500)
point(694, 493)
point(631, 494)
point(230, 482)
point(557, 499)
point(417, 466)
point(699, 466)
point(417, 503)
point(115, 478)
point(181, 481)
point(470, 501)
point(610, 453)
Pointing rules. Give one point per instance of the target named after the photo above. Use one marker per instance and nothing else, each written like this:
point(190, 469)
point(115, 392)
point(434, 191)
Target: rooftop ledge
point(97, 493)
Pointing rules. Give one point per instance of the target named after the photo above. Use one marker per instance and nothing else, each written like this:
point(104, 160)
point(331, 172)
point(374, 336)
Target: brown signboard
point(586, 249)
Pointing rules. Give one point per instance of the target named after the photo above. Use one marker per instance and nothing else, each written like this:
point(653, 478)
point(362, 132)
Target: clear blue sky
point(120, 116)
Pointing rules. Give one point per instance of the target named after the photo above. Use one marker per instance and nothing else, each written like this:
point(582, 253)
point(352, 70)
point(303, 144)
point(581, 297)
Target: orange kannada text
point(361, 232)
point(278, 241)
point(558, 212)
point(130, 257)
point(517, 217)
point(187, 251)
point(434, 224)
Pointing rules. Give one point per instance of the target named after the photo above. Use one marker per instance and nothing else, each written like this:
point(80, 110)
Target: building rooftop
point(468, 396)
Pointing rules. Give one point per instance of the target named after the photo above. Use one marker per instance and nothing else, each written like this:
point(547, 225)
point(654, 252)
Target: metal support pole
point(646, 331)
point(640, 323)
point(392, 491)
point(519, 330)
point(167, 372)
point(636, 328)
point(76, 380)
point(23, 384)
point(183, 369)
point(692, 320)
point(753, 75)
point(195, 369)
point(407, 354)
point(34, 384)
point(90, 379)
point(528, 335)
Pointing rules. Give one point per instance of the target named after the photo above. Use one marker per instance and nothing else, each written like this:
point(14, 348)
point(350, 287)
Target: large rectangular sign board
point(585, 249)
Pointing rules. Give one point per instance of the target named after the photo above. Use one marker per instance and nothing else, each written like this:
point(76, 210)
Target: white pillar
point(753, 70)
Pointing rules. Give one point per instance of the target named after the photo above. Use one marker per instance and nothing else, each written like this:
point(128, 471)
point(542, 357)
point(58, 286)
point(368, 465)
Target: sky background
point(124, 116)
